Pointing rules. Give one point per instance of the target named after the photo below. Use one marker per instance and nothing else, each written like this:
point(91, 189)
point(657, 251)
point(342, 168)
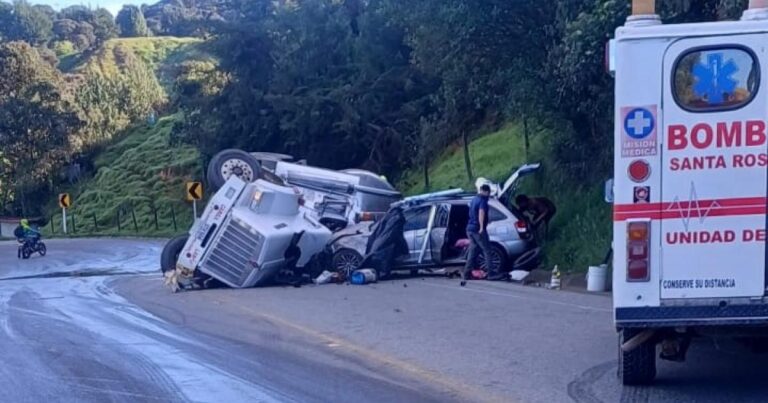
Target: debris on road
point(324, 278)
point(519, 275)
point(364, 276)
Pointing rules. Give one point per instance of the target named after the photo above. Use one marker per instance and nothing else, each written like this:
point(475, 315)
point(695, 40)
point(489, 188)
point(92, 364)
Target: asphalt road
point(92, 322)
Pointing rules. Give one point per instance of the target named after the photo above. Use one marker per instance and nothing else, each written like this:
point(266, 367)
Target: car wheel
point(171, 253)
point(346, 261)
point(498, 260)
point(528, 260)
point(232, 162)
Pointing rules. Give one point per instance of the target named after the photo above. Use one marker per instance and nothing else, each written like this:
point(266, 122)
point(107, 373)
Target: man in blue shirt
point(477, 231)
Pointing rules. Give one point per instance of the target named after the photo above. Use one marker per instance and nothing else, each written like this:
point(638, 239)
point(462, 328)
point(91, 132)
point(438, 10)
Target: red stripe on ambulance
point(691, 209)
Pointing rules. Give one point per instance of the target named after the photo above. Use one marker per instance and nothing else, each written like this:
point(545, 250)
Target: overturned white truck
point(246, 235)
point(269, 214)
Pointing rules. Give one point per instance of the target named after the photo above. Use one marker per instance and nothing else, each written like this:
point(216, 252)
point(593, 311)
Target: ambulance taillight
point(638, 251)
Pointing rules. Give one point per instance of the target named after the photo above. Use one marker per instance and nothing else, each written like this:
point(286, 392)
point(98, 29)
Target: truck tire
point(638, 366)
point(232, 162)
point(171, 253)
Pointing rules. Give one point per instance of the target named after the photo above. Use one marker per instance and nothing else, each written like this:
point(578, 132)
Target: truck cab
point(244, 234)
point(690, 184)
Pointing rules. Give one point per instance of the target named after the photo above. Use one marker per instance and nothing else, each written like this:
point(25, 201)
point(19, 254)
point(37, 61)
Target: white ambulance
point(690, 185)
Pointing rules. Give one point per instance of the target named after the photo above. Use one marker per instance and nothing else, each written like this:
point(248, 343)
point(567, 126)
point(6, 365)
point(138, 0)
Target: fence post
point(118, 220)
point(95, 223)
point(53, 224)
point(173, 217)
point(74, 226)
point(133, 214)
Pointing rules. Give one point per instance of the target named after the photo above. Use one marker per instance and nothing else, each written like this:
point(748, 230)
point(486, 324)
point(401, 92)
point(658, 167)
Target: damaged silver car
point(435, 232)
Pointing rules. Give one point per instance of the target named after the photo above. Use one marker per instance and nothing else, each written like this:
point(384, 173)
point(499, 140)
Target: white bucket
point(596, 278)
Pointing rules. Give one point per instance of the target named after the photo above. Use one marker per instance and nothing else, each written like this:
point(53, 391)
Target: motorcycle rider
point(29, 234)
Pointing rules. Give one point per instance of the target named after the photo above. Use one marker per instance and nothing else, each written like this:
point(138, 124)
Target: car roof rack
point(429, 197)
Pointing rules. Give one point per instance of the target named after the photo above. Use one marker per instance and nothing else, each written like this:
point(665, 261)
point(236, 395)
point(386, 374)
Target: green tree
point(131, 23)
point(104, 26)
point(92, 27)
point(7, 21)
point(110, 103)
point(36, 119)
point(31, 24)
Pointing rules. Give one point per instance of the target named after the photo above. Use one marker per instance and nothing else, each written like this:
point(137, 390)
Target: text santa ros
point(716, 236)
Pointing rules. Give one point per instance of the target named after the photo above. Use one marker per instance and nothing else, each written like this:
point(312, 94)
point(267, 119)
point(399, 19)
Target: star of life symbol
point(714, 79)
point(639, 123)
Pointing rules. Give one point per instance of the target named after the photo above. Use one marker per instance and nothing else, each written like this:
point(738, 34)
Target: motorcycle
point(27, 247)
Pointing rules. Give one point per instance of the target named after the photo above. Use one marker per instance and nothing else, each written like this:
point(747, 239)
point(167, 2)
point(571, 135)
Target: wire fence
point(128, 218)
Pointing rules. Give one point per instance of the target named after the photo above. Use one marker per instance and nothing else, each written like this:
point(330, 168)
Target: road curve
point(92, 322)
point(65, 335)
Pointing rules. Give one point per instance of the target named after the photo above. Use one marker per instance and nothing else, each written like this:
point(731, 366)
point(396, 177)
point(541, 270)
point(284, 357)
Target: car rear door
point(415, 230)
point(713, 167)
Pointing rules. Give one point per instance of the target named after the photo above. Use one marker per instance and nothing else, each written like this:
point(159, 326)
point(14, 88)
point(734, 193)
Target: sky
point(112, 5)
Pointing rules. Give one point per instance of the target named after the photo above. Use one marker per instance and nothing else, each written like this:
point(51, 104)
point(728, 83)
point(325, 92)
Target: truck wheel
point(232, 162)
point(638, 366)
point(171, 253)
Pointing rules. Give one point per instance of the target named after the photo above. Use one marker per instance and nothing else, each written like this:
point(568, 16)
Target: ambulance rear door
point(713, 193)
point(713, 210)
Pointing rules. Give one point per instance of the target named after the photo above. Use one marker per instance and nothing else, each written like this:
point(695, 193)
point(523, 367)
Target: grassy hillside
point(142, 172)
point(580, 233)
point(163, 54)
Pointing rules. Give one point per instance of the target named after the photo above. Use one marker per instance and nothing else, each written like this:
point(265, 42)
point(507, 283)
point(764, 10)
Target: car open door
point(423, 237)
point(415, 229)
point(509, 187)
point(439, 232)
point(713, 167)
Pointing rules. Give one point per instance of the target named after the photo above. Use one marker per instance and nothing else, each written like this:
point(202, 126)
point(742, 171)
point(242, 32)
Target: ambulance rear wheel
point(637, 366)
point(171, 253)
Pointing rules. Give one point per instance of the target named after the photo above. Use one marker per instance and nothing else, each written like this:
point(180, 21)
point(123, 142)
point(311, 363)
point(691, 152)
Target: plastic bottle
point(364, 276)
